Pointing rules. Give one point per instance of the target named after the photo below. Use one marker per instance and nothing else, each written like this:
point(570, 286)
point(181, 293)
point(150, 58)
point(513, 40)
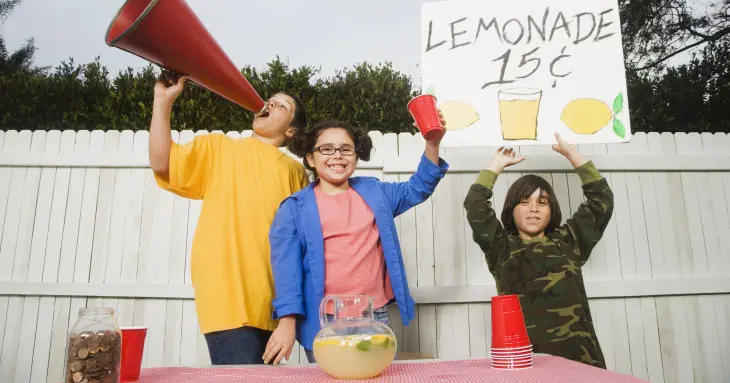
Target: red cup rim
point(517, 346)
point(512, 348)
point(516, 356)
point(512, 367)
point(510, 358)
point(133, 328)
point(511, 338)
point(419, 96)
point(511, 351)
point(513, 354)
point(520, 354)
point(521, 348)
point(516, 362)
point(506, 296)
point(505, 353)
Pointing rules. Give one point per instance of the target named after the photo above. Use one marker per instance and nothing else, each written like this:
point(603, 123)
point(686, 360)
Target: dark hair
point(303, 142)
point(299, 121)
point(523, 188)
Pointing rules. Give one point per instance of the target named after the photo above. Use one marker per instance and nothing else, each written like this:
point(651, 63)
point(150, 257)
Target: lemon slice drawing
point(586, 115)
point(458, 115)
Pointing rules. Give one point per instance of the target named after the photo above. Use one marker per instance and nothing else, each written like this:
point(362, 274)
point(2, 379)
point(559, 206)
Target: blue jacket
point(297, 246)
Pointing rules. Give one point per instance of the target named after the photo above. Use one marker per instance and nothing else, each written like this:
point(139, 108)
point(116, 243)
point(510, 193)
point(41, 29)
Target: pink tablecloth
point(546, 369)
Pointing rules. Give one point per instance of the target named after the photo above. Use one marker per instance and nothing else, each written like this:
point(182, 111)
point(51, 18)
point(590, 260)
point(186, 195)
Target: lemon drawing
point(586, 115)
point(458, 115)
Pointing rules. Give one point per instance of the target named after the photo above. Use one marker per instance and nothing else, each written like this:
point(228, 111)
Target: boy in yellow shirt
point(241, 182)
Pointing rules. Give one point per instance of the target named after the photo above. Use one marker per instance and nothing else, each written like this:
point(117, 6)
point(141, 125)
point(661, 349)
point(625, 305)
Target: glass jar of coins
point(94, 347)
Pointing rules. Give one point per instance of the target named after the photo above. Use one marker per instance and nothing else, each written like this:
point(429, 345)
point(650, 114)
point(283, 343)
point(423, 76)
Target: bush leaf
point(618, 103)
point(618, 128)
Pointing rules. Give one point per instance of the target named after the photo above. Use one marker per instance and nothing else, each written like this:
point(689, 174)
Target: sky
point(327, 34)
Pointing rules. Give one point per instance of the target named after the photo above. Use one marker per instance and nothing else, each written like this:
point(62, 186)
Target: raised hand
point(569, 151)
point(504, 158)
point(441, 117)
point(443, 123)
point(168, 95)
point(563, 147)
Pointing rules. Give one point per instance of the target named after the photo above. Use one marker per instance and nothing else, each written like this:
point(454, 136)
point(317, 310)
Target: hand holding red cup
point(428, 118)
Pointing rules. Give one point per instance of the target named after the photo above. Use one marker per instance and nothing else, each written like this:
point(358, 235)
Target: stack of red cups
point(511, 347)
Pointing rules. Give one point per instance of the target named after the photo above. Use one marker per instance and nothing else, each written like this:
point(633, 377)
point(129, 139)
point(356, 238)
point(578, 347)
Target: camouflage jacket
point(546, 272)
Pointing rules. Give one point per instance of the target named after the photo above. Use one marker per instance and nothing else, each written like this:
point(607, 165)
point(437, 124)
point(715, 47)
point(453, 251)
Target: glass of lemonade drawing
point(518, 109)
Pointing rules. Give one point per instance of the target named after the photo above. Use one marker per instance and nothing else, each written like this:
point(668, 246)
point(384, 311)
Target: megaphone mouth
point(127, 19)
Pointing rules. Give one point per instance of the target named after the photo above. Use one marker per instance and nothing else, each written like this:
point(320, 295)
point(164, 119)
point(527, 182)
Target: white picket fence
point(84, 225)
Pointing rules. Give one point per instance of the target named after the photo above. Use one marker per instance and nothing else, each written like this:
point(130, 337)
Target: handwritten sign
point(515, 72)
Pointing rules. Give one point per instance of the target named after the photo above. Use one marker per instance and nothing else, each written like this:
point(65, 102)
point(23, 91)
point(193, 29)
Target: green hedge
point(690, 98)
point(84, 96)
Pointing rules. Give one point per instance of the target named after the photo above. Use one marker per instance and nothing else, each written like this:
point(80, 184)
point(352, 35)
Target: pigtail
point(298, 143)
point(364, 145)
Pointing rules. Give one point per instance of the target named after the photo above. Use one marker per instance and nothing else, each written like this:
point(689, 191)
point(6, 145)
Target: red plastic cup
point(508, 323)
point(133, 339)
point(424, 111)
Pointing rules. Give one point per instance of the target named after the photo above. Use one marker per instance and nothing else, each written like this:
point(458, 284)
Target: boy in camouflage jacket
point(535, 257)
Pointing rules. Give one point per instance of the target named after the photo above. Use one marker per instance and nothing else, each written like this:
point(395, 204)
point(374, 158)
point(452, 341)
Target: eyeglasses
point(330, 150)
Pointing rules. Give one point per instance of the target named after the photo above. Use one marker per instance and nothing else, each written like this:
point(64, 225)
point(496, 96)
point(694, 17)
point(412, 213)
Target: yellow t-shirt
point(241, 182)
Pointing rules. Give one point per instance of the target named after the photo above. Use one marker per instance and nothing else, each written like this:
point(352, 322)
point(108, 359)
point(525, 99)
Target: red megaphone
point(169, 34)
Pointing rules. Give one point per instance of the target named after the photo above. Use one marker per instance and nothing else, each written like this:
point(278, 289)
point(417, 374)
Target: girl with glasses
point(338, 235)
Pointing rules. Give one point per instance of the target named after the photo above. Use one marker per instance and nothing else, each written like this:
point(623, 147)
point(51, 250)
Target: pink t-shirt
point(353, 254)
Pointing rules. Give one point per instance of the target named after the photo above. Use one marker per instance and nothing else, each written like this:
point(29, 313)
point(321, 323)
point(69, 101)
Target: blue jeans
point(379, 314)
point(243, 345)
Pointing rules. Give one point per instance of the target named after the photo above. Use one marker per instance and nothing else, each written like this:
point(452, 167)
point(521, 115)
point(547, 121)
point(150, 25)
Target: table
point(546, 369)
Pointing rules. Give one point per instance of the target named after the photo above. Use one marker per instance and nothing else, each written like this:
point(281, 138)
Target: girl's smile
point(334, 159)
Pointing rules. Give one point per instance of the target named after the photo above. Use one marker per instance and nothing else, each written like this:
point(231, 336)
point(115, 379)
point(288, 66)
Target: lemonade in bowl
point(351, 343)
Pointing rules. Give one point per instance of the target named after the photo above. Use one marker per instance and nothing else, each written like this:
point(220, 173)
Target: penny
point(78, 377)
point(103, 358)
point(112, 336)
point(83, 353)
point(85, 335)
point(93, 345)
point(91, 365)
point(105, 343)
point(77, 365)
